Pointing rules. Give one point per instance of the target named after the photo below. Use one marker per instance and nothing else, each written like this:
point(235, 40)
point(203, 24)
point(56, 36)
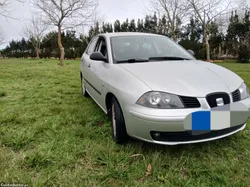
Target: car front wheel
point(119, 131)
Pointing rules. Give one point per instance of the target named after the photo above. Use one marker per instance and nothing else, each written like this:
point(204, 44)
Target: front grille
point(188, 136)
point(236, 95)
point(211, 99)
point(190, 102)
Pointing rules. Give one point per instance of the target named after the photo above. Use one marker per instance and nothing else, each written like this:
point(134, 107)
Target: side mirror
point(98, 57)
point(191, 52)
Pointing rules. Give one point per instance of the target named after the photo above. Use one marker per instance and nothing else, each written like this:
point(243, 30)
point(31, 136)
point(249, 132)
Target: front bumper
point(142, 121)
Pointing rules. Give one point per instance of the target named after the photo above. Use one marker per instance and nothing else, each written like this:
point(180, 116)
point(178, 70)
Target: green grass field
point(51, 136)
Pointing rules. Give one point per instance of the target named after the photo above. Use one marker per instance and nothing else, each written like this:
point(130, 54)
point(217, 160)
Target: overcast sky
point(112, 9)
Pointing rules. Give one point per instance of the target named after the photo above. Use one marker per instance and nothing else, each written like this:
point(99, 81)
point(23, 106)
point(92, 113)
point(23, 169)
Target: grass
point(51, 136)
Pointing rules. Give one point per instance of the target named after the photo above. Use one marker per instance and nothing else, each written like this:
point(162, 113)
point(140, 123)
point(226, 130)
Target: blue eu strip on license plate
point(201, 121)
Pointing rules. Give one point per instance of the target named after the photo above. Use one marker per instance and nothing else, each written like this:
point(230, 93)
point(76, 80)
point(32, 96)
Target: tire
point(84, 91)
point(119, 132)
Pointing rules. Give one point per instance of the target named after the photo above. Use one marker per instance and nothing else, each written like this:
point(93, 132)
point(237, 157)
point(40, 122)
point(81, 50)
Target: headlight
point(243, 91)
point(160, 100)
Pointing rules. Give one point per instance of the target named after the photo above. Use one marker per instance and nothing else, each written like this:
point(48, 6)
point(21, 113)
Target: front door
point(97, 72)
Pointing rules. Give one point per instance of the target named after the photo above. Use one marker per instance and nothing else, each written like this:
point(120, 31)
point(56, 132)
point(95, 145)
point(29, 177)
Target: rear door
point(85, 61)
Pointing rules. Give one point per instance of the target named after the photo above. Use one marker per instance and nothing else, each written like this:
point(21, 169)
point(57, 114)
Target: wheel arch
point(108, 102)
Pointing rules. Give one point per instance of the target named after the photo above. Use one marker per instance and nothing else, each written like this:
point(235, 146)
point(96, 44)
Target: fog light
point(157, 134)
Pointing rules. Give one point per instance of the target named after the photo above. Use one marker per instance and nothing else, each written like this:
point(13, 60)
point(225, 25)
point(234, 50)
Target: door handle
point(89, 66)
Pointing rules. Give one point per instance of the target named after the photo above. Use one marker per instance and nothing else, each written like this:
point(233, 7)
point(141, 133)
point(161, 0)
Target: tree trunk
point(173, 35)
point(60, 45)
point(207, 45)
point(37, 53)
point(220, 51)
point(227, 53)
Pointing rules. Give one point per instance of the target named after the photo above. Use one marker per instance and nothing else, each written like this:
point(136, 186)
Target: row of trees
point(195, 24)
point(23, 48)
point(190, 36)
point(61, 14)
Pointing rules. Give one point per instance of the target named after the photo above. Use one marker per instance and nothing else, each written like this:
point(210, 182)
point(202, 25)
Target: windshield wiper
point(133, 60)
point(168, 58)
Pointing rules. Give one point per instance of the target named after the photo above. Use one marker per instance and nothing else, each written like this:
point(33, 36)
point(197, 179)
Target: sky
point(112, 9)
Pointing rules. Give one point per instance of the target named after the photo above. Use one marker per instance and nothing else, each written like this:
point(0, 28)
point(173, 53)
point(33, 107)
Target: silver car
point(153, 89)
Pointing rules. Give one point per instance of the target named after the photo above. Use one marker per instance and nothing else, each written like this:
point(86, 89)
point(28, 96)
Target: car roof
point(108, 35)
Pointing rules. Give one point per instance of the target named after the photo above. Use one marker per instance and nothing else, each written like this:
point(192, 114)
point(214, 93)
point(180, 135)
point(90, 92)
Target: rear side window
point(91, 46)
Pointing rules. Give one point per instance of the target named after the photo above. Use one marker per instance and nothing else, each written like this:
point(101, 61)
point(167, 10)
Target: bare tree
point(4, 5)
point(5, 12)
point(66, 14)
point(207, 11)
point(35, 31)
point(5, 8)
point(97, 19)
point(242, 4)
point(175, 10)
point(2, 37)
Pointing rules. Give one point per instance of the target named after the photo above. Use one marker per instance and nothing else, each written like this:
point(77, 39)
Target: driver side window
point(91, 46)
point(101, 47)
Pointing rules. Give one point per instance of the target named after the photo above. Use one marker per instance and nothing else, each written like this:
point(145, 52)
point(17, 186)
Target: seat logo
point(219, 102)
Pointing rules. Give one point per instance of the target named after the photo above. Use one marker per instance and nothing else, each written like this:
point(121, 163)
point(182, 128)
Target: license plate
point(217, 118)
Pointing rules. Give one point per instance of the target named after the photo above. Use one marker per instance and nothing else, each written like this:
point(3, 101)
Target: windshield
point(145, 48)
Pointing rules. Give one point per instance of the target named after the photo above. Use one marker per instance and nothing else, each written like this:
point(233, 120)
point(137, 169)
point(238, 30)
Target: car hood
point(186, 78)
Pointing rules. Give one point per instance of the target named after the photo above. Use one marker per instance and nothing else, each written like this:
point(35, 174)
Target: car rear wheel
point(119, 131)
point(84, 91)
